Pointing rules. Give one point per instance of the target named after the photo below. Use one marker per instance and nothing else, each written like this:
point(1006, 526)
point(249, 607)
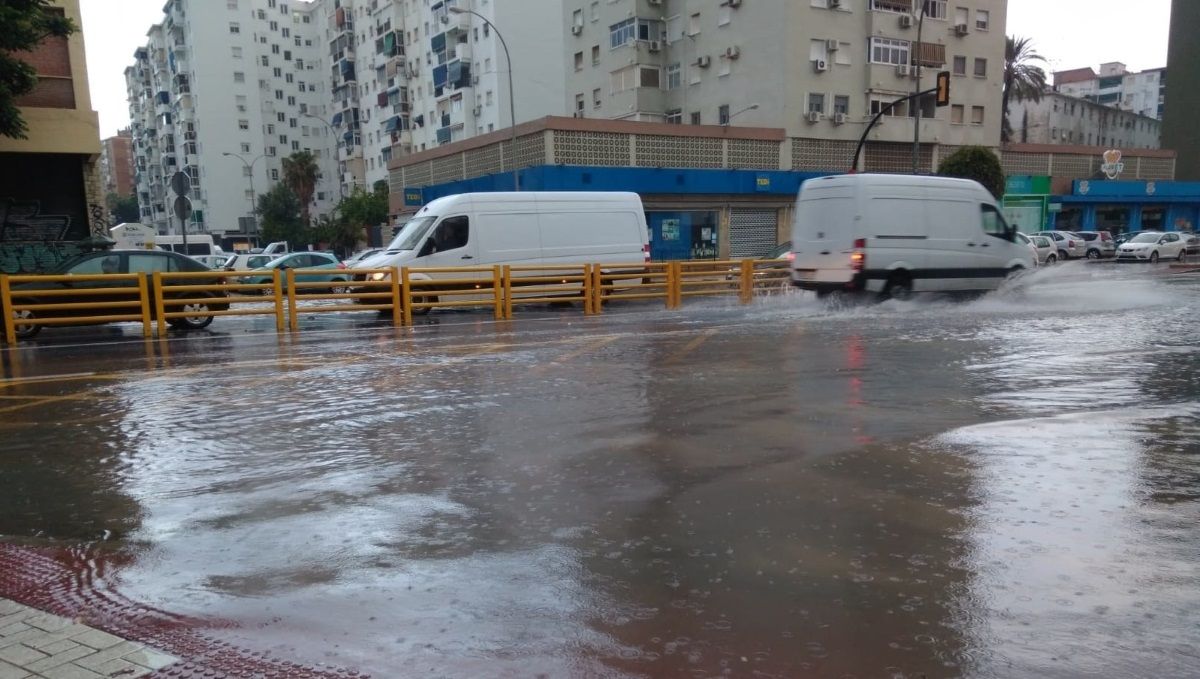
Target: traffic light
point(943, 88)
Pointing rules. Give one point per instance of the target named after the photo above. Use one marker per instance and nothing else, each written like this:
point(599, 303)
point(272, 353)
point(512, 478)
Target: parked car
point(114, 262)
point(1193, 243)
point(303, 261)
point(1098, 244)
point(1068, 244)
point(212, 261)
point(1043, 249)
point(894, 235)
point(247, 261)
point(1151, 246)
point(358, 258)
point(1124, 238)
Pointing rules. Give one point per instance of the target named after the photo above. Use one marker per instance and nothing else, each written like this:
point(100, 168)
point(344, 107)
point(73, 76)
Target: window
point(993, 223)
point(579, 61)
point(237, 52)
point(296, 145)
point(976, 115)
point(844, 54)
point(245, 148)
point(453, 233)
point(246, 171)
point(622, 34)
point(243, 124)
point(674, 77)
point(650, 76)
point(956, 113)
point(723, 114)
point(960, 65)
point(816, 103)
point(579, 103)
point(595, 55)
point(961, 16)
point(234, 27)
point(892, 5)
point(724, 15)
point(231, 4)
point(266, 61)
point(622, 80)
point(675, 116)
point(595, 15)
point(239, 77)
point(97, 265)
point(841, 104)
point(888, 51)
point(274, 175)
point(694, 24)
point(935, 9)
point(150, 263)
point(980, 67)
point(695, 117)
point(597, 98)
point(274, 49)
point(577, 18)
point(899, 110)
point(817, 50)
point(983, 19)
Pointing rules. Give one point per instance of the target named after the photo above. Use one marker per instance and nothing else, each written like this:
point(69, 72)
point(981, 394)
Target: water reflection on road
point(1003, 487)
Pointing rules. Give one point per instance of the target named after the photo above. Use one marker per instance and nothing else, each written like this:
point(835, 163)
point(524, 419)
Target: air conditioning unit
point(961, 29)
point(839, 119)
point(831, 45)
point(820, 65)
point(478, 111)
point(903, 70)
point(834, 4)
point(704, 61)
point(576, 29)
point(733, 52)
point(906, 21)
point(814, 116)
point(655, 46)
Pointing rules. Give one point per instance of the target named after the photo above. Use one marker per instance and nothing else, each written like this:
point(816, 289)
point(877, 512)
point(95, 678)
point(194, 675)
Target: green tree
point(26, 23)
point(356, 212)
point(1022, 78)
point(123, 209)
point(978, 163)
point(279, 210)
point(300, 174)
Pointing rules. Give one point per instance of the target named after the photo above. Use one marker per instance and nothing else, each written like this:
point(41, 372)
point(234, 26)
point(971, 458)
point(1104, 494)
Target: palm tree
point(300, 173)
point(1022, 78)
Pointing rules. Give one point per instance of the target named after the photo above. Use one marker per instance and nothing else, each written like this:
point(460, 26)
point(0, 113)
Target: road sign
point(943, 88)
point(183, 208)
point(181, 184)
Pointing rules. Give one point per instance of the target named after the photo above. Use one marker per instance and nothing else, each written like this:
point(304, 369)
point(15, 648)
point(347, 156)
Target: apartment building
point(1143, 93)
point(225, 91)
point(817, 68)
point(116, 164)
point(1062, 119)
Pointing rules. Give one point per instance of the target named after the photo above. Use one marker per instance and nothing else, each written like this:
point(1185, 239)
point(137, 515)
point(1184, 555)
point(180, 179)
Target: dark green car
point(115, 262)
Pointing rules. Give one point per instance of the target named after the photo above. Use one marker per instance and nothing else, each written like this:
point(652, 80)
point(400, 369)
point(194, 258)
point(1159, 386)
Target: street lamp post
point(333, 131)
point(729, 120)
point(250, 168)
point(512, 93)
point(916, 152)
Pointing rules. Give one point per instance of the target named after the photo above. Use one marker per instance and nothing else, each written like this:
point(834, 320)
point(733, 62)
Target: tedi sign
point(1112, 167)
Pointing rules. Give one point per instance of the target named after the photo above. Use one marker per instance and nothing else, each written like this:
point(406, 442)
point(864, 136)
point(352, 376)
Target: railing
point(193, 299)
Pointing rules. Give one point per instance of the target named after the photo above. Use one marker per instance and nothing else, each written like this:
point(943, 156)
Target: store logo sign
point(1112, 167)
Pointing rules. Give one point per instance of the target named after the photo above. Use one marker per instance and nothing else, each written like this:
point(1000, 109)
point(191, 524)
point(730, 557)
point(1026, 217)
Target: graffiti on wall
point(31, 258)
point(100, 223)
point(23, 221)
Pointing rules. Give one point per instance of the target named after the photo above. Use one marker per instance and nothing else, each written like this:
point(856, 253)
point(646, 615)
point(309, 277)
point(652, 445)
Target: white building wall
point(1061, 119)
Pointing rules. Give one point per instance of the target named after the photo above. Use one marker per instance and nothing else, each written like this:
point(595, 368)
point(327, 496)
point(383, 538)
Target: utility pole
point(916, 152)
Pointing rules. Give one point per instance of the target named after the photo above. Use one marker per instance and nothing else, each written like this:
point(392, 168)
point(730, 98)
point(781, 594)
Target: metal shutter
point(752, 233)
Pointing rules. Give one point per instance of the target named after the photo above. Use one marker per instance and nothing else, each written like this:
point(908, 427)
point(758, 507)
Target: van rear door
point(823, 233)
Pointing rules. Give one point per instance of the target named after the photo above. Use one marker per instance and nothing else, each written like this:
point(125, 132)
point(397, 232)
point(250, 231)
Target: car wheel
point(339, 287)
point(195, 322)
point(1182, 255)
point(899, 287)
point(1050, 259)
point(27, 330)
point(1093, 254)
point(1062, 254)
point(424, 310)
point(1154, 257)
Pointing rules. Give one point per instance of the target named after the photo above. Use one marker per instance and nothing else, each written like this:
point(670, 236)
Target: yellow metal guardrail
point(399, 293)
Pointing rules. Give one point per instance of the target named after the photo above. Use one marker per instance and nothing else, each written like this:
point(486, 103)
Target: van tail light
point(858, 258)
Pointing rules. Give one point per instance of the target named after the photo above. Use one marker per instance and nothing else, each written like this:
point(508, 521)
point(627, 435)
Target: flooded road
point(1005, 487)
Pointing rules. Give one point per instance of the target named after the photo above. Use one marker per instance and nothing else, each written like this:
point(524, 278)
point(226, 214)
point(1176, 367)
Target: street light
point(751, 107)
point(916, 152)
point(512, 93)
point(333, 130)
point(250, 170)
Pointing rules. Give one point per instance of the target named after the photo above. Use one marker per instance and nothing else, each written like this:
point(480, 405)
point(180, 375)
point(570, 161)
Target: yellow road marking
point(691, 346)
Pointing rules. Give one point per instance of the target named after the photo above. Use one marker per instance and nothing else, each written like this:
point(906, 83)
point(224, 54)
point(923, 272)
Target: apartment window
point(274, 25)
point(960, 65)
point(597, 98)
point(976, 115)
point(291, 101)
point(239, 77)
point(816, 103)
point(579, 104)
point(983, 19)
point(980, 67)
point(936, 9)
point(231, 4)
point(622, 34)
point(724, 15)
point(292, 122)
point(723, 114)
point(579, 61)
point(841, 104)
point(278, 72)
point(289, 78)
point(274, 175)
point(961, 16)
point(281, 117)
point(245, 170)
point(243, 124)
point(891, 5)
point(287, 33)
point(674, 76)
point(234, 27)
point(266, 61)
point(595, 55)
point(695, 117)
point(261, 15)
point(296, 145)
point(694, 28)
point(270, 128)
point(237, 52)
point(279, 95)
point(675, 116)
point(888, 51)
point(897, 111)
point(844, 54)
point(624, 79)
point(287, 55)
point(245, 148)
point(650, 76)
point(577, 18)
point(957, 111)
point(274, 49)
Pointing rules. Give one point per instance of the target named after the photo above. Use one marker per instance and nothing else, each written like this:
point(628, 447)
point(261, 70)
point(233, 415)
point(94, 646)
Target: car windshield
point(1146, 238)
point(274, 263)
point(412, 234)
point(1089, 236)
point(779, 251)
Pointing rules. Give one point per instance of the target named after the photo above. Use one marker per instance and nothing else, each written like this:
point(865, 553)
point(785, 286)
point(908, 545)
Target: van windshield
point(412, 234)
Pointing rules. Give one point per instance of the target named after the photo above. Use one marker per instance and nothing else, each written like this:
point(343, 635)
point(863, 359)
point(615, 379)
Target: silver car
point(1069, 245)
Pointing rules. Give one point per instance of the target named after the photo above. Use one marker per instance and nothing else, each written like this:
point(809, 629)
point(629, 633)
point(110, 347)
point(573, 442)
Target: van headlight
point(379, 276)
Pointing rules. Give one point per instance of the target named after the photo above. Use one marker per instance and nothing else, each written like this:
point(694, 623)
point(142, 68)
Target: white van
point(541, 228)
point(899, 234)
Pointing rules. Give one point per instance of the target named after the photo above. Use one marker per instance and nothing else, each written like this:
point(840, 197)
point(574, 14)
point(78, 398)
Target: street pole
point(916, 152)
point(333, 130)
point(512, 93)
point(250, 168)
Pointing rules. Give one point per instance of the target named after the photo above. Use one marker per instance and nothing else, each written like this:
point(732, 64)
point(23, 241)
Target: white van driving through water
point(897, 234)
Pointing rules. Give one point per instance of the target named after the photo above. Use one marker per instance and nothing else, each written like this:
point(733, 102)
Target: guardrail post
point(508, 297)
point(747, 285)
point(397, 308)
point(6, 303)
point(160, 309)
point(144, 298)
point(277, 298)
point(293, 317)
point(498, 291)
point(597, 289)
point(406, 294)
point(587, 290)
point(674, 285)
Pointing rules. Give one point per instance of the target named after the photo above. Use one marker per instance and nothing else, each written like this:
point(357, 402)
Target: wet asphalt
point(1000, 487)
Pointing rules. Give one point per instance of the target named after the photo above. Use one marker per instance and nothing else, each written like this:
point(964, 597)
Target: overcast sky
point(1069, 33)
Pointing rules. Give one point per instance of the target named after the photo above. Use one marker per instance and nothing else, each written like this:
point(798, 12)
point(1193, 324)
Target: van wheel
point(899, 287)
point(423, 300)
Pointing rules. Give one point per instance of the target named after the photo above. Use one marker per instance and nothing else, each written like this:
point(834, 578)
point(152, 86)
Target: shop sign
point(1112, 167)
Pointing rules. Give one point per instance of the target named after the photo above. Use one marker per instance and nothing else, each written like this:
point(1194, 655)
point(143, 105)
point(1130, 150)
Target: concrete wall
point(1180, 131)
point(1060, 119)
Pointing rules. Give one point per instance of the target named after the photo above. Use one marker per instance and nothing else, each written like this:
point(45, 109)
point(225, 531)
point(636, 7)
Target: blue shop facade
point(1121, 206)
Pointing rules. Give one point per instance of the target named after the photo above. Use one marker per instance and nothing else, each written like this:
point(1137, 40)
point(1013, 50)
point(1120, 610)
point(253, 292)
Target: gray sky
point(1069, 33)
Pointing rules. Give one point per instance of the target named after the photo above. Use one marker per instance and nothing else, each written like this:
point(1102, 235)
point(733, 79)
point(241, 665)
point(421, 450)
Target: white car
point(1069, 245)
point(247, 261)
point(1043, 250)
point(1151, 246)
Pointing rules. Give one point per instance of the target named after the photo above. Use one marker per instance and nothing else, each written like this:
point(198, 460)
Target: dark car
point(116, 262)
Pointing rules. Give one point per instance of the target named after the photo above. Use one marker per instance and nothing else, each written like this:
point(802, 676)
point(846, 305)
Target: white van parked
point(538, 228)
point(899, 234)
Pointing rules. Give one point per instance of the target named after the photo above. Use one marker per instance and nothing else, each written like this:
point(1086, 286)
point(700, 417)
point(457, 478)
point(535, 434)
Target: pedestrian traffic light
point(943, 88)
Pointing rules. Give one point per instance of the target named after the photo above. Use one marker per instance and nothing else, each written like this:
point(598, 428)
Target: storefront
point(1123, 206)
